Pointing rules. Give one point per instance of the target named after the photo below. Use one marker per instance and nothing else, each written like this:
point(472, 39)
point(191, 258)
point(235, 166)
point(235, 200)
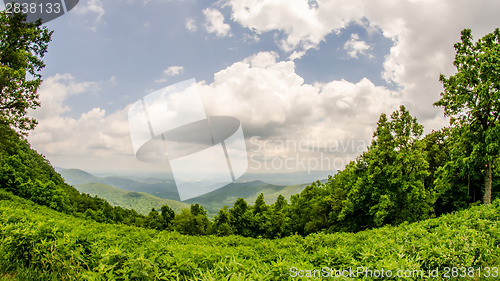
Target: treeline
point(403, 177)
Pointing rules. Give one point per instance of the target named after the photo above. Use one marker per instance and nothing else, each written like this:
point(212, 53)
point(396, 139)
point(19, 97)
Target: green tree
point(242, 219)
point(390, 189)
point(308, 211)
point(261, 217)
point(154, 220)
point(278, 217)
point(471, 98)
point(259, 206)
point(222, 223)
point(167, 215)
point(193, 221)
point(22, 47)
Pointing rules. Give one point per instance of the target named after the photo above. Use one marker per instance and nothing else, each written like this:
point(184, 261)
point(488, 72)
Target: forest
point(411, 201)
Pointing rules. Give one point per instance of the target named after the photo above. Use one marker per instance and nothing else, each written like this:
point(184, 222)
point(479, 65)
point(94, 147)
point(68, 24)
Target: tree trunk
point(487, 184)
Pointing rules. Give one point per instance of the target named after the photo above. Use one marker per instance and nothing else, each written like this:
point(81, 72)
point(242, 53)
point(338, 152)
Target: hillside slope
point(39, 243)
point(139, 201)
point(26, 173)
point(162, 188)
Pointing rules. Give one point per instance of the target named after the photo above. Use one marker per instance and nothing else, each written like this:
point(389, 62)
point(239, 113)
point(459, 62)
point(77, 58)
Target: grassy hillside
point(41, 244)
point(139, 201)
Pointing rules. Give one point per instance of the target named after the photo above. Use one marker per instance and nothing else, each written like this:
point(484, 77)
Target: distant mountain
point(248, 190)
point(162, 188)
point(288, 178)
point(76, 176)
point(139, 201)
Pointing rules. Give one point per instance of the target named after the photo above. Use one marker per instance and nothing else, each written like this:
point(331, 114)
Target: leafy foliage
point(37, 239)
point(471, 98)
point(28, 174)
point(22, 47)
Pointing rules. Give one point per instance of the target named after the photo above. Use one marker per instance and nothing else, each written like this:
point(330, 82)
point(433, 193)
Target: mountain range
point(146, 193)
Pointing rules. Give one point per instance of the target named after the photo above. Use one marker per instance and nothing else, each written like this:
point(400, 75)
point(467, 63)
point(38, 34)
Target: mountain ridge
point(165, 189)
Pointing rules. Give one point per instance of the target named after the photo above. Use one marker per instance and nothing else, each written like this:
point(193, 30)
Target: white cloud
point(95, 140)
point(355, 47)
point(171, 71)
point(92, 7)
point(295, 18)
point(191, 24)
point(215, 23)
point(423, 34)
point(113, 80)
point(273, 102)
point(265, 94)
point(55, 90)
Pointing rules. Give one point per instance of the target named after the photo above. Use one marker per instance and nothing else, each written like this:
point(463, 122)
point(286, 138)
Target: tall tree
point(391, 188)
point(22, 47)
point(222, 223)
point(193, 221)
point(471, 98)
point(242, 220)
point(167, 215)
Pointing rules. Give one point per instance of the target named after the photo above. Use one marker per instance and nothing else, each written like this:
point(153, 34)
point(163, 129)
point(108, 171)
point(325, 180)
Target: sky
point(306, 79)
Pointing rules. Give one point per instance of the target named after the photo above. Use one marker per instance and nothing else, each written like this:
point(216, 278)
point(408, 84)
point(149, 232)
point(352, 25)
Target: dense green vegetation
point(26, 173)
point(22, 47)
point(37, 241)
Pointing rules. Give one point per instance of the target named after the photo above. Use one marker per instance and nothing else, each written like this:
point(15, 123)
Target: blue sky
point(133, 43)
point(297, 72)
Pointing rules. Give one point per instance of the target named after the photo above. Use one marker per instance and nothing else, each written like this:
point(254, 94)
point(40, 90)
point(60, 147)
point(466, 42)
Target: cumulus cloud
point(215, 23)
point(273, 102)
point(171, 71)
point(266, 94)
point(423, 34)
point(95, 140)
point(355, 47)
point(275, 105)
point(294, 17)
